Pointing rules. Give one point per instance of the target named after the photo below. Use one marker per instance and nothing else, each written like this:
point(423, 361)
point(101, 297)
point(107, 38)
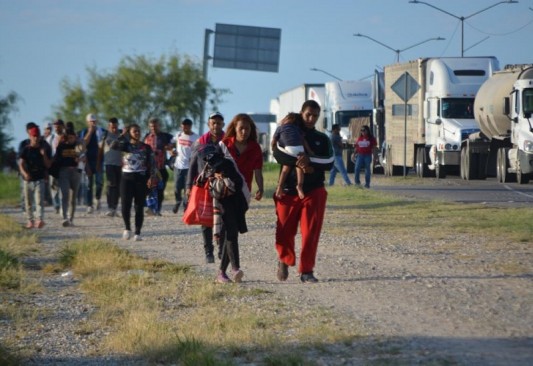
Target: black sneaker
point(175, 208)
point(308, 278)
point(283, 271)
point(210, 258)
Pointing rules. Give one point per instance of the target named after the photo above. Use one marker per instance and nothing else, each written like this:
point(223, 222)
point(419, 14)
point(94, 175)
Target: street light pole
point(462, 18)
point(397, 51)
point(325, 72)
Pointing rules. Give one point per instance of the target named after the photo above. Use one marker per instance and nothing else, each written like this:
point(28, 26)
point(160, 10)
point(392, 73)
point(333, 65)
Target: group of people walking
point(227, 161)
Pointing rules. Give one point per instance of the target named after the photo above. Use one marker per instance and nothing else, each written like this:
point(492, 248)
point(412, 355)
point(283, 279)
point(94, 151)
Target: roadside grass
point(351, 208)
point(166, 312)
point(9, 189)
point(15, 244)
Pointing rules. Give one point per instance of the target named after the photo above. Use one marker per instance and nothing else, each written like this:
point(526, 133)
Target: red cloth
point(199, 210)
point(248, 161)
point(365, 145)
point(310, 213)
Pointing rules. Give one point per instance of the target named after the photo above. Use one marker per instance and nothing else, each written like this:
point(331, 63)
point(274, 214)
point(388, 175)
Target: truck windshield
point(457, 108)
point(345, 117)
point(528, 101)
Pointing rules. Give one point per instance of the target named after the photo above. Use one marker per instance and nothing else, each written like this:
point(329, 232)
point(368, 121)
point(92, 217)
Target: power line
point(500, 34)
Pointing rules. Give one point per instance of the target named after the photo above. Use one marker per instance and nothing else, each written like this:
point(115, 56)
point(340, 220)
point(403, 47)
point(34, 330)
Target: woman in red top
point(241, 141)
point(364, 147)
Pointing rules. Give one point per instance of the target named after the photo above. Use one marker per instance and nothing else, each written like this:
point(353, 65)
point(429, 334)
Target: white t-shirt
point(184, 148)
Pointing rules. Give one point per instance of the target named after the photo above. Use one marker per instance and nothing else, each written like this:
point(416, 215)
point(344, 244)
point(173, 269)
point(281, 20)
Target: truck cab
point(348, 103)
point(451, 87)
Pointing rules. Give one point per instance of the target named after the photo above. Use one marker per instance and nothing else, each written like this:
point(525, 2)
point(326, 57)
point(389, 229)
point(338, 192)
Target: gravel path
point(441, 302)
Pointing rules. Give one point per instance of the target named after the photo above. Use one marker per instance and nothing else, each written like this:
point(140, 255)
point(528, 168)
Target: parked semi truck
point(504, 147)
point(292, 100)
point(349, 104)
point(426, 132)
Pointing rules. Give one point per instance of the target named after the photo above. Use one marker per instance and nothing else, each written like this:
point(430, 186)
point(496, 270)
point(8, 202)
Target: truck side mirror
point(506, 106)
point(527, 115)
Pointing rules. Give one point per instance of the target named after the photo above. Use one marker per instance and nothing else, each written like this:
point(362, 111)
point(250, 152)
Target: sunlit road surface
point(454, 189)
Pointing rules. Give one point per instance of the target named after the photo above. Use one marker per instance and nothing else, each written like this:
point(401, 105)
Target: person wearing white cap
point(92, 136)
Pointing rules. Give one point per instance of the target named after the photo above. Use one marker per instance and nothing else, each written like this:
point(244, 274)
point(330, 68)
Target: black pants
point(161, 192)
point(113, 174)
point(133, 187)
point(230, 240)
point(207, 234)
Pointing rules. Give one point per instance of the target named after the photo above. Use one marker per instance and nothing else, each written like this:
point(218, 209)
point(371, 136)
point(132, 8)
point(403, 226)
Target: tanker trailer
point(504, 146)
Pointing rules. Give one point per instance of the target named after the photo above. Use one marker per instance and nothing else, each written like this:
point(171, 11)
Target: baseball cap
point(215, 115)
point(59, 122)
point(34, 131)
point(91, 117)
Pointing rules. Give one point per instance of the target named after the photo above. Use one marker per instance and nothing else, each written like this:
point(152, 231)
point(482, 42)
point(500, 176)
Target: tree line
point(170, 87)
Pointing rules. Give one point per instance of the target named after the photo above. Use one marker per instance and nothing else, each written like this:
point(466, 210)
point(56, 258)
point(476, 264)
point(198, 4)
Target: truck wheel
point(471, 163)
point(422, 170)
point(440, 171)
point(503, 166)
point(521, 178)
point(500, 176)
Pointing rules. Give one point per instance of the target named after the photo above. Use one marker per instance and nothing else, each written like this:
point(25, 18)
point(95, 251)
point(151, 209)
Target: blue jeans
point(180, 177)
point(360, 162)
point(34, 198)
point(338, 166)
point(98, 180)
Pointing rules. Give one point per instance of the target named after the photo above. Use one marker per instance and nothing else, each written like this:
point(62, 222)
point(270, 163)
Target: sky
point(43, 42)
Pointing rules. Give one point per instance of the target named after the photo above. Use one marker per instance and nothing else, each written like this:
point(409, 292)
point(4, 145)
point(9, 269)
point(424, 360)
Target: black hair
point(310, 104)
point(113, 120)
point(369, 132)
point(186, 122)
point(30, 125)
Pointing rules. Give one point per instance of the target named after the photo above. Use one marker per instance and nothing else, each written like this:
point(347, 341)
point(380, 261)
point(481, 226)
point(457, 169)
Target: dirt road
point(449, 301)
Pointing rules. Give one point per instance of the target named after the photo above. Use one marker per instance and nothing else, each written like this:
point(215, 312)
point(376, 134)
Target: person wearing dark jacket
point(308, 211)
point(229, 207)
point(138, 174)
point(212, 137)
point(69, 152)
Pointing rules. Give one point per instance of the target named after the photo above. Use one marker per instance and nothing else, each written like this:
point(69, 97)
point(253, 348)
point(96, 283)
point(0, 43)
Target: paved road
point(454, 189)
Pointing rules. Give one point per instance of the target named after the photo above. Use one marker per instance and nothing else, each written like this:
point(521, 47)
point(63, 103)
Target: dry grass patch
point(168, 313)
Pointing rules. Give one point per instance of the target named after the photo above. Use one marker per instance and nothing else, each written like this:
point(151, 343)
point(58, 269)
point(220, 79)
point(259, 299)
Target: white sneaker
point(110, 213)
point(126, 235)
point(90, 209)
point(137, 238)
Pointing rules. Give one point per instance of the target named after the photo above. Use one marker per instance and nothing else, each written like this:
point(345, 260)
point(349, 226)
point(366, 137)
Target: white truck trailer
point(292, 100)
point(347, 103)
point(426, 131)
point(503, 108)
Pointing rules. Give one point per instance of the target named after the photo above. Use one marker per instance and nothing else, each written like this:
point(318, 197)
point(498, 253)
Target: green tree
point(8, 104)
point(170, 88)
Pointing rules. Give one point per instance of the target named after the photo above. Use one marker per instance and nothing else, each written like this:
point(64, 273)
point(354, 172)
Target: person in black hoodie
point(69, 152)
point(230, 205)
